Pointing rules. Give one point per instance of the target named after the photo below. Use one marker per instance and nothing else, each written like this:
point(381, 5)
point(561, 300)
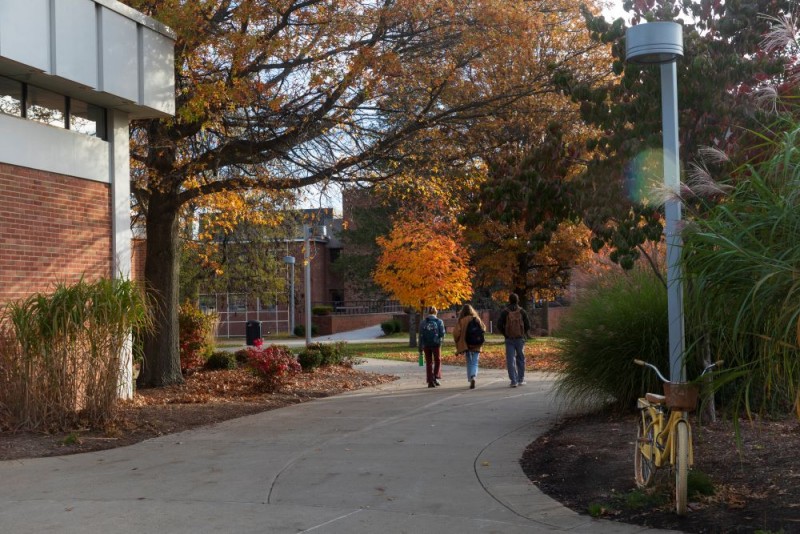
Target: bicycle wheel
point(681, 466)
point(643, 462)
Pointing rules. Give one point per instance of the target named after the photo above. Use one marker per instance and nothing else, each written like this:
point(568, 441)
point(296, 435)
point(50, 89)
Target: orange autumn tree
point(424, 263)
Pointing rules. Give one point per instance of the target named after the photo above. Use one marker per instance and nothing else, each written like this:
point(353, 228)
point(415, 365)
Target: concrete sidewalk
point(395, 458)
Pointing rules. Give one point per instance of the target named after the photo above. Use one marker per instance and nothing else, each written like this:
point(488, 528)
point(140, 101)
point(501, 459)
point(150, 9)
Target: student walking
point(469, 337)
point(431, 334)
point(514, 325)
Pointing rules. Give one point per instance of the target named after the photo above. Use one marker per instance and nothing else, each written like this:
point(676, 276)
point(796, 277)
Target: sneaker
point(513, 384)
point(437, 383)
point(522, 383)
point(472, 383)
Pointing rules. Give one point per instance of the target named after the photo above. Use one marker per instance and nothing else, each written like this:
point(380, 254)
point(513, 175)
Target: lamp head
point(654, 43)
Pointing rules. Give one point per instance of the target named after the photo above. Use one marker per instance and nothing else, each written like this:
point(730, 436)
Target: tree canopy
point(725, 65)
point(280, 94)
point(424, 263)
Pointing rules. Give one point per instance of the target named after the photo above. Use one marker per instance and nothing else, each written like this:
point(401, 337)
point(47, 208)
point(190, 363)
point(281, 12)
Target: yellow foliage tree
point(424, 263)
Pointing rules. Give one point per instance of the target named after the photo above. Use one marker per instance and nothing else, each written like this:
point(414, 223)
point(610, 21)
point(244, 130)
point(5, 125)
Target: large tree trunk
point(413, 327)
point(162, 365)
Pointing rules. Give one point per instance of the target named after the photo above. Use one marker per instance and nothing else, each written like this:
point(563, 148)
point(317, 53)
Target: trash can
point(252, 332)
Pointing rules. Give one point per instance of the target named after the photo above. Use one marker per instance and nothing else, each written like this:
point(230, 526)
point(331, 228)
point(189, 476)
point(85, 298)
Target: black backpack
point(474, 334)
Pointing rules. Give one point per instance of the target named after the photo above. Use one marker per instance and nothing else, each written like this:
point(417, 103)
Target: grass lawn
point(541, 353)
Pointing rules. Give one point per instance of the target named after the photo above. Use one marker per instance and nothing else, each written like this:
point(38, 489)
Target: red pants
point(433, 363)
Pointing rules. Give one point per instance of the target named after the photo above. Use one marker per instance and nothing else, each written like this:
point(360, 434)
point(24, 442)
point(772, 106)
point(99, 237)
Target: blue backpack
point(430, 333)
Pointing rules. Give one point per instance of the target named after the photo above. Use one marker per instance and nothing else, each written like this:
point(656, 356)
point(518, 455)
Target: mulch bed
point(587, 464)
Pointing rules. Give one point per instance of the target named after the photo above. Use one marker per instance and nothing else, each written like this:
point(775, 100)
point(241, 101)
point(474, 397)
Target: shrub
point(322, 310)
point(221, 360)
point(273, 364)
point(309, 359)
point(300, 330)
point(699, 483)
point(391, 326)
point(196, 336)
point(741, 260)
point(332, 353)
point(621, 318)
point(241, 356)
point(60, 353)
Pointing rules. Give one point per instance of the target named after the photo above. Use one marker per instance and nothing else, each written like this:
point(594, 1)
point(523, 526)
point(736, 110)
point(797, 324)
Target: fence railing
point(355, 307)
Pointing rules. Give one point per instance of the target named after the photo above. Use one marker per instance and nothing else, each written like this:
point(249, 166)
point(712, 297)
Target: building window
point(31, 102)
point(10, 97)
point(46, 107)
point(87, 118)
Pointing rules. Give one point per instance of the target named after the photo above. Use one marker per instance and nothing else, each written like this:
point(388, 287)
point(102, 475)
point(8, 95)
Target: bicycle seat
point(655, 398)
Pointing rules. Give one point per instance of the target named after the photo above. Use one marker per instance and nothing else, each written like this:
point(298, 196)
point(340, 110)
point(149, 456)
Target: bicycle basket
point(682, 396)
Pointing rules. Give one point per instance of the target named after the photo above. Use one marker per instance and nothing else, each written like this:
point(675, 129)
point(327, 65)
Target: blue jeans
point(515, 359)
point(472, 363)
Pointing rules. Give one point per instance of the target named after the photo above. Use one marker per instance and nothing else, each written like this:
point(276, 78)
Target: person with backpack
point(514, 325)
point(469, 335)
point(431, 335)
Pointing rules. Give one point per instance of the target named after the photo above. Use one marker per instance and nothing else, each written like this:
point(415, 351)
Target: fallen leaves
point(538, 357)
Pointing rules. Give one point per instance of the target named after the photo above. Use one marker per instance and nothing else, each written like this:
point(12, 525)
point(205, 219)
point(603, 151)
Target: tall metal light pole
point(289, 260)
point(662, 43)
point(307, 279)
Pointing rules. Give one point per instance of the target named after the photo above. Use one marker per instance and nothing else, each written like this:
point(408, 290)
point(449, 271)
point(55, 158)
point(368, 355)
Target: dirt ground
point(587, 464)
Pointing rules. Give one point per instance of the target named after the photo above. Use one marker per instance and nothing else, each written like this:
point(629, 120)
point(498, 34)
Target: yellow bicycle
point(664, 435)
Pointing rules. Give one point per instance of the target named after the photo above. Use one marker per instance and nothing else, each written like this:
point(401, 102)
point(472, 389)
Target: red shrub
point(274, 364)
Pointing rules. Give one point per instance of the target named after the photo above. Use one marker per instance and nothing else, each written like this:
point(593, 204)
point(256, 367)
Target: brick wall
point(53, 228)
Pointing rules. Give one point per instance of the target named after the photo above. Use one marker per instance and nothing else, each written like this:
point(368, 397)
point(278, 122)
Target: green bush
point(241, 356)
point(332, 353)
point(621, 318)
point(321, 309)
point(300, 330)
point(741, 260)
point(391, 326)
point(699, 483)
point(196, 336)
point(309, 359)
point(221, 360)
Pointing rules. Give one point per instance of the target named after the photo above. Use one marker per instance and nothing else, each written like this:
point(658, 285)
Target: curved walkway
point(394, 458)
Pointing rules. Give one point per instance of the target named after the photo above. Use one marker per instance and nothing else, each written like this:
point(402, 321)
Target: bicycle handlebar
point(651, 366)
point(664, 379)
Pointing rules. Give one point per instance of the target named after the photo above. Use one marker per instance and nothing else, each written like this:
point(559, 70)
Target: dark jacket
point(501, 323)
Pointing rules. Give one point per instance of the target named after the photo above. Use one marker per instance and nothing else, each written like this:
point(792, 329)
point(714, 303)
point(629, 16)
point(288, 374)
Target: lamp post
point(307, 279)
point(661, 43)
point(289, 260)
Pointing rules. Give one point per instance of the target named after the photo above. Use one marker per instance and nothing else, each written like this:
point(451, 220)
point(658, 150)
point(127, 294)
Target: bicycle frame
point(664, 434)
point(662, 452)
